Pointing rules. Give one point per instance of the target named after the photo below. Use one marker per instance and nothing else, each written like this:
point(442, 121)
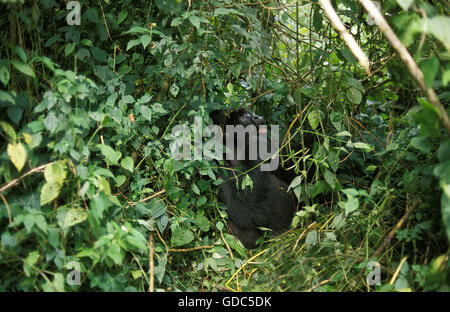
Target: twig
point(17, 180)
point(242, 267)
point(345, 35)
point(151, 265)
point(148, 198)
point(407, 59)
point(226, 244)
point(190, 249)
point(7, 208)
point(104, 21)
point(397, 271)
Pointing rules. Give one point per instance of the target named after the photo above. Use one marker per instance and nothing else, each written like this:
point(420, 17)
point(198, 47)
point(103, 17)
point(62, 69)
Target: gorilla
point(267, 203)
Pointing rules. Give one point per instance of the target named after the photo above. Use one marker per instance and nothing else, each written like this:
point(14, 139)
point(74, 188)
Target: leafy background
point(87, 111)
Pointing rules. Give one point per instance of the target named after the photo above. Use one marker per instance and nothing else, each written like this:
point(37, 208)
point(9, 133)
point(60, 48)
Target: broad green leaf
point(313, 119)
point(4, 74)
point(111, 156)
point(330, 178)
point(174, 89)
point(146, 39)
point(24, 68)
point(181, 236)
point(176, 22)
point(405, 4)
point(120, 180)
point(55, 173)
point(445, 208)
point(115, 253)
point(69, 217)
point(17, 154)
point(9, 130)
point(422, 144)
point(439, 27)
point(103, 185)
point(364, 146)
point(344, 133)
point(122, 16)
point(354, 95)
point(311, 239)
point(30, 261)
point(146, 112)
point(127, 163)
point(69, 48)
point(49, 192)
point(20, 53)
point(351, 205)
point(137, 30)
point(194, 21)
point(430, 68)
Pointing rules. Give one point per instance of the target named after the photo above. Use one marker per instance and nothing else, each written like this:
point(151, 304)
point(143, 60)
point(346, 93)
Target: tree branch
point(407, 59)
point(345, 35)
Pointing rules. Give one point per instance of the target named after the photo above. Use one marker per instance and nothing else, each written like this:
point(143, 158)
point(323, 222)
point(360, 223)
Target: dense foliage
point(88, 183)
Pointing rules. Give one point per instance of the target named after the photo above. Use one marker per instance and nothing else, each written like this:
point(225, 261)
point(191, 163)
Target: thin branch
point(17, 180)
point(151, 265)
point(407, 59)
point(345, 35)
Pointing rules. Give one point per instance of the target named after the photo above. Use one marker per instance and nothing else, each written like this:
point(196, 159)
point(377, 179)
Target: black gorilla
point(267, 203)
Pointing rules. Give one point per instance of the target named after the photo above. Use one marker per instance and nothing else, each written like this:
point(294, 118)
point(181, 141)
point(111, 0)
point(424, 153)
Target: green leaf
point(364, 146)
point(313, 119)
point(146, 112)
point(115, 253)
point(20, 53)
point(127, 163)
point(111, 156)
point(98, 54)
point(49, 192)
point(122, 16)
point(70, 217)
point(438, 26)
point(194, 21)
point(351, 205)
point(422, 144)
point(311, 239)
point(430, 68)
point(445, 207)
point(9, 130)
point(120, 180)
point(146, 39)
point(136, 242)
point(181, 236)
point(330, 178)
point(69, 48)
point(354, 95)
point(308, 91)
point(405, 4)
point(137, 30)
point(176, 22)
point(30, 261)
point(55, 173)
point(4, 74)
point(174, 89)
point(24, 68)
point(17, 154)
point(344, 133)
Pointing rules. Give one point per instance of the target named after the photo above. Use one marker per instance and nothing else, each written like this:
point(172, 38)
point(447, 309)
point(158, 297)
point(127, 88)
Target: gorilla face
point(238, 144)
point(239, 117)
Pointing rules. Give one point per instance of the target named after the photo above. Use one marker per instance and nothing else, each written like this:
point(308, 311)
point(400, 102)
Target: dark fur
point(267, 204)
